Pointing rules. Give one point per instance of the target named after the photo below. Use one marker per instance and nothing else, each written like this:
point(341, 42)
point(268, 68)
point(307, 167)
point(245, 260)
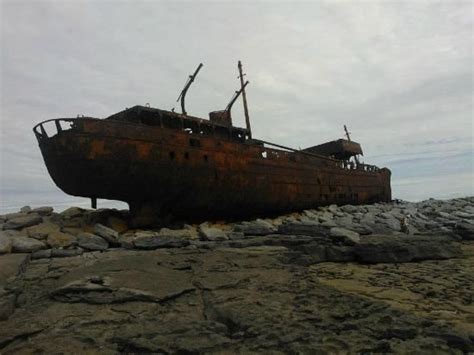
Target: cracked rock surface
point(238, 300)
point(376, 278)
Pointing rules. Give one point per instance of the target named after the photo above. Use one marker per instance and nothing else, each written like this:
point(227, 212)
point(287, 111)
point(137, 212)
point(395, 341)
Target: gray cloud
point(399, 74)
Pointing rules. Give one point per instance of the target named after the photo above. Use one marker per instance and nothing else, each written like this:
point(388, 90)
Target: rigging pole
point(234, 98)
point(244, 99)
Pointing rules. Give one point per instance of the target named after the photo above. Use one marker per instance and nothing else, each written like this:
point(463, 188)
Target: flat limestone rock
point(257, 227)
point(151, 243)
point(178, 233)
point(5, 245)
point(211, 233)
point(117, 224)
point(465, 230)
point(102, 284)
point(107, 233)
point(12, 265)
point(43, 211)
point(26, 245)
point(399, 249)
point(346, 236)
point(14, 215)
point(91, 241)
point(305, 228)
point(61, 240)
point(72, 212)
point(22, 222)
point(232, 301)
point(41, 231)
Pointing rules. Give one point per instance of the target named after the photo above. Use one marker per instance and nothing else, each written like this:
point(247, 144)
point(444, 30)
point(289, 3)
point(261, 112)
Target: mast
point(186, 87)
point(347, 133)
point(349, 139)
point(244, 99)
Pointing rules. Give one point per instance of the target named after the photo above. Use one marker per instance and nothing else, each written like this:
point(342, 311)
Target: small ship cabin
point(219, 125)
point(340, 149)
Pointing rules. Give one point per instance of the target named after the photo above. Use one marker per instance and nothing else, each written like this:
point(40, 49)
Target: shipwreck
point(167, 162)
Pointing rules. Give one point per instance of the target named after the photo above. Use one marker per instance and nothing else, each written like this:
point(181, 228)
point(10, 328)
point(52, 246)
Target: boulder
point(333, 208)
point(344, 222)
point(41, 231)
point(43, 211)
point(5, 245)
point(345, 236)
point(74, 222)
point(350, 209)
point(61, 240)
point(14, 215)
point(107, 233)
point(310, 215)
point(325, 216)
point(117, 224)
point(11, 233)
point(26, 245)
point(446, 215)
point(188, 233)
point(392, 223)
point(211, 233)
point(126, 240)
point(73, 230)
point(464, 215)
point(25, 209)
point(11, 266)
point(465, 230)
point(91, 241)
point(41, 254)
point(72, 212)
point(257, 227)
point(23, 222)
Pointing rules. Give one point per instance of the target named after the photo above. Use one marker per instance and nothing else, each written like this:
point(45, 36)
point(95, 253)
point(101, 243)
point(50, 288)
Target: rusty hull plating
point(190, 167)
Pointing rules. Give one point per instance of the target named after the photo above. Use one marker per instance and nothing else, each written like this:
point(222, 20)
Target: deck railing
point(53, 126)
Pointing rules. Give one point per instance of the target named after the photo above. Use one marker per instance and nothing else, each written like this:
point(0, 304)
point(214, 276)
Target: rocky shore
point(373, 278)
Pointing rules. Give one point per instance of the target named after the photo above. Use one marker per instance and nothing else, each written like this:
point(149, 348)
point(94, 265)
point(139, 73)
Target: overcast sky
point(398, 74)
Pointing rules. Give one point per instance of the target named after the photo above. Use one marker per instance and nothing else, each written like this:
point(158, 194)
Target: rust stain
point(97, 148)
point(188, 166)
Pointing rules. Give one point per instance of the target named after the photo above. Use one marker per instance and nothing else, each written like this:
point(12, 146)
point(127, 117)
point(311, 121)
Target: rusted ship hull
point(190, 175)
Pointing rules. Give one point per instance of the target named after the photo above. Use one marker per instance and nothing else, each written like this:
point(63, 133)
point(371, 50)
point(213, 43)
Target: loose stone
point(107, 233)
point(257, 227)
point(60, 240)
point(26, 245)
point(43, 211)
point(41, 231)
point(22, 222)
point(212, 234)
point(72, 212)
point(5, 245)
point(91, 241)
point(345, 236)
